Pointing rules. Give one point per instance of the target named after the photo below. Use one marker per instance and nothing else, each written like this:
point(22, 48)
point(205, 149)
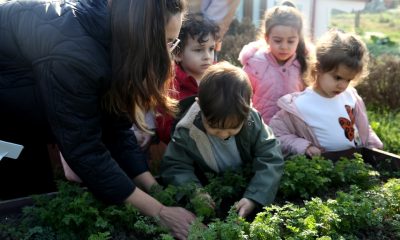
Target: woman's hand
point(245, 206)
point(178, 220)
point(313, 151)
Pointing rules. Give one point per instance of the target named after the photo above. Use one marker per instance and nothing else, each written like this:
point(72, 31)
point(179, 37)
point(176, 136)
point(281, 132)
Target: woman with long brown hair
point(79, 74)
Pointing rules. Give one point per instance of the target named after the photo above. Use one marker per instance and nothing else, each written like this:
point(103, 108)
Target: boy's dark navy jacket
point(190, 151)
point(55, 66)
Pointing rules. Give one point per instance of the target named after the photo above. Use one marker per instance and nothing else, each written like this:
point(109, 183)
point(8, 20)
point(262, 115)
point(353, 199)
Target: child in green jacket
point(221, 131)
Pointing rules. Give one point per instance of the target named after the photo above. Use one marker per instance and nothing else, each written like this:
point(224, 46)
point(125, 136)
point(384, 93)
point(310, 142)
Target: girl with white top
point(329, 115)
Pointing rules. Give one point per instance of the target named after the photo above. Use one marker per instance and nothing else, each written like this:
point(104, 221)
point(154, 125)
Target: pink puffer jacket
point(269, 80)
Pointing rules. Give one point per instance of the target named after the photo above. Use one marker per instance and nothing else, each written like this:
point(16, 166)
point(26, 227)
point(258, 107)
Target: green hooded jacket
point(190, 151)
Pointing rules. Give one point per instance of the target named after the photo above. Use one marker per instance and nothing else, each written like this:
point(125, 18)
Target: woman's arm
point(145, 181)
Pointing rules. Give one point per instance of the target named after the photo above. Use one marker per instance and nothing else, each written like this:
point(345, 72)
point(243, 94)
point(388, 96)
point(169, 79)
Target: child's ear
point(197, 100)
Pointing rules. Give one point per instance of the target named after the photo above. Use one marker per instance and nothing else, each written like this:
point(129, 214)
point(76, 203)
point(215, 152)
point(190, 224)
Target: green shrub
point(386, 125)
point(357, 211)
point(230, 184)
point(224, 190)
point(239, 34)
point(354, 171)
point(358, 214)
point(233, 227)
point(314, 220)
point(355, 214)
point(391, 191)
point(74, 213)
point(381, 89)
point(305, 177)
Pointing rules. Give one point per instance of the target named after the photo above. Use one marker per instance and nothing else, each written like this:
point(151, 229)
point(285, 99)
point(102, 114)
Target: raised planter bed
point(13, 207)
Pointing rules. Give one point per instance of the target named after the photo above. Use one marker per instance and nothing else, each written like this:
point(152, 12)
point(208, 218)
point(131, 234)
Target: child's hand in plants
point(202, 203)
point(177, 220)
point(313, 151)
point(245, 206)
point(204, 196)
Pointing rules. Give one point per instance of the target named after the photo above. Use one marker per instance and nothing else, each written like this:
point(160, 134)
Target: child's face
point(330, 84)
point(195, 57)
point(222, 133)
point(283, 41)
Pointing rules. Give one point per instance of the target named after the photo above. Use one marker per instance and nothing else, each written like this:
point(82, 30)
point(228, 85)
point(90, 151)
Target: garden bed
point(340, 199)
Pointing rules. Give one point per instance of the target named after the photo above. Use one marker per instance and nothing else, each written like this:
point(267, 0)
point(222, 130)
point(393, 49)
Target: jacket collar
point(199, 136)
point(184, 83)
point(180, 74)
point(192, 118)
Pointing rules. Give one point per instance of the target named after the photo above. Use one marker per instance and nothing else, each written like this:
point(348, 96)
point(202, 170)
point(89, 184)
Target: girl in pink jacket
point(276, 63)
point(329, 115)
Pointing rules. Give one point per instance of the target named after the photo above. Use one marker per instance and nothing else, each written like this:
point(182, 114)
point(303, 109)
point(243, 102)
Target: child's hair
point(196, 25)
point(335, 48)
point(224, 96)
point(291, 17)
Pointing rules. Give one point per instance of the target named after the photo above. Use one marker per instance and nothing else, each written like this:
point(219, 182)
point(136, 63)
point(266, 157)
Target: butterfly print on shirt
point(348, 125)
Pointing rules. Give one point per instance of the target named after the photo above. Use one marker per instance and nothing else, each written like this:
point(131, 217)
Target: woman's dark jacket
point(61, 52)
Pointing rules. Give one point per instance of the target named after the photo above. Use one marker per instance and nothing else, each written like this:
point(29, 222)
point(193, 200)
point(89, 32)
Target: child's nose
point(207, 55)
point(342, 85)
point(284, 45)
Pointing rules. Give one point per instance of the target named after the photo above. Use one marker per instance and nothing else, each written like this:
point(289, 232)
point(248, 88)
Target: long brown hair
point(141, 63)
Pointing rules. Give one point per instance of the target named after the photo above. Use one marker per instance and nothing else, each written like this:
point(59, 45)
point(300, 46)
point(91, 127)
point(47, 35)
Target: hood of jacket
point(287, 103)
point(199, 134)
